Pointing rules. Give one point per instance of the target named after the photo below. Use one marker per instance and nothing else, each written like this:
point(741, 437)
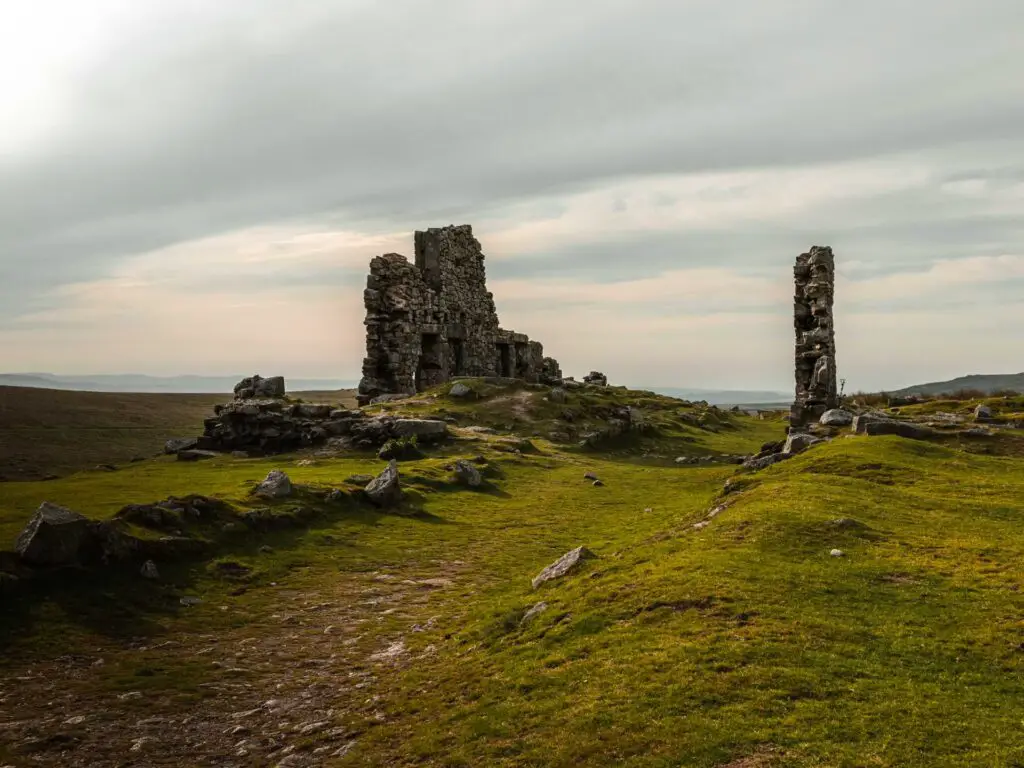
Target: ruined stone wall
point(816, 391)
point(435, 319)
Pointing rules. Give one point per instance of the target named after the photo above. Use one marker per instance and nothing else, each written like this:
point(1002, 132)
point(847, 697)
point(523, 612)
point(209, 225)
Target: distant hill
point(132, 382)
point(983, 382)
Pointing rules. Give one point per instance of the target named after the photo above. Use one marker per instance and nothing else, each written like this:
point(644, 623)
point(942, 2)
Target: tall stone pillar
point(816, 390)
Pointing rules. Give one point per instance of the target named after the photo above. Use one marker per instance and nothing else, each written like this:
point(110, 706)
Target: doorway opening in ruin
point(459, 357)
point(430, 370)
point(522, 361)
point(505, 360)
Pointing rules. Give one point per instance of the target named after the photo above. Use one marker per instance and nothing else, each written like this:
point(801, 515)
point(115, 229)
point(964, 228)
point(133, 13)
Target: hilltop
point(984, 383)
point(713, 626)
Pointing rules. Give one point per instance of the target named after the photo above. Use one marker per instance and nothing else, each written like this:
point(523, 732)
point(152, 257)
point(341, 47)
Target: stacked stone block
point(816, 391)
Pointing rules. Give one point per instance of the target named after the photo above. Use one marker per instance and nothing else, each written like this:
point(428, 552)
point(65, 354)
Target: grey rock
point(598, 484)
point(54, 536)
point(837, 553)
point(982, 412)
point(389, 398)
point(460, 390)
point(188, 602)
point(596, 378)
point(257, 386)
point(836, 417)
point(567, 563)
point(385, 489)
point(589, 476)
point(276, 485)
point(180, 444)
point(467, 474)
point(861, 421)
point(558, 395)
point(149, 571)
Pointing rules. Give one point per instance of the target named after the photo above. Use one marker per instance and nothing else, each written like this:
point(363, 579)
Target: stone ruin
point(261, 420)
point(816, 390)
point(435, 320)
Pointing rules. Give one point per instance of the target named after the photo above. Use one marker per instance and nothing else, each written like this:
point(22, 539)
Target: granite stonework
point(433, 320)
point(816, 390)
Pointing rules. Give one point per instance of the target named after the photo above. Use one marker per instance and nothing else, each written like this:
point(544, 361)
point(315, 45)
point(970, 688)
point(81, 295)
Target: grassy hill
point(361, 638)
point(986, 383)
point(53, 432)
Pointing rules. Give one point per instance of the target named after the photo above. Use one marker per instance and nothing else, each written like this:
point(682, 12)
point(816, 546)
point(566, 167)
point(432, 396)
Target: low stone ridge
point(432, 320)
point(621, 421)
point(568, 562)
point(596, 378)
point(385, 489)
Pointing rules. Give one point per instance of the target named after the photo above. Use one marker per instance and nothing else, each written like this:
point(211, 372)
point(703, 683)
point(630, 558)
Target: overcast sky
point(190, 186)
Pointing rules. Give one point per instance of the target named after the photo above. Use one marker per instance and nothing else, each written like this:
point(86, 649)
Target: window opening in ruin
point(459, 355)
point(505, 360)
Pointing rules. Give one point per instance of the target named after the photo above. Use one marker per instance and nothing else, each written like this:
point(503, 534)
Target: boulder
point(533, 612)
point(276, 485)
point(389, 398)
point(558, 395)
point(900, 428)
point(565, 564)
point(257, 386)
point(54, 536)
point(982, 413)
point(384, 490)
point(312, 410)
point(460, 390)
point(797, 442)
point(836, 417)
point(180, 444)
point(596, 378)
point(467, 474)
point(424, 430)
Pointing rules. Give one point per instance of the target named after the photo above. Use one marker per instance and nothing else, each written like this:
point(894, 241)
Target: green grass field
point(376, 639)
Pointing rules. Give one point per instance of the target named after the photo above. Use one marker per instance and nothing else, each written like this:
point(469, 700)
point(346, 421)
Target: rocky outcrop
point(816, 390)
point(905, 429)
point(596, 378)
point(621, 421)
point(433, 320)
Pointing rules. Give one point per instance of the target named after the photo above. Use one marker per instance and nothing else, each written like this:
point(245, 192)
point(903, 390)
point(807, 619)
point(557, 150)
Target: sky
point(197, 187)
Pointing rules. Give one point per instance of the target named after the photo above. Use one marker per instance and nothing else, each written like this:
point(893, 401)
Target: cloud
point(665, 159)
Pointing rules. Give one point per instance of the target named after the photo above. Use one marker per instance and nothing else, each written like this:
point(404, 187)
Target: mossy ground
point(743, 643)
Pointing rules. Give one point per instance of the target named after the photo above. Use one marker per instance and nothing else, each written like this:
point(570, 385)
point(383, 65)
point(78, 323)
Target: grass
point(742, 641)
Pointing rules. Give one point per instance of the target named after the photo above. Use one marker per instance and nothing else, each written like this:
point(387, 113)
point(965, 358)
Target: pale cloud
point(189, 186)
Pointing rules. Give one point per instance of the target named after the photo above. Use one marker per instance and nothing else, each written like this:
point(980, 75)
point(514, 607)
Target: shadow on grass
point(45, 609)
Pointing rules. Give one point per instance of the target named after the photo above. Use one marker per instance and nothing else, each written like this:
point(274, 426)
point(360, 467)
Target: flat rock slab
point(195, 454)
point(566, 563)
point(424, 430)
point(836, 417)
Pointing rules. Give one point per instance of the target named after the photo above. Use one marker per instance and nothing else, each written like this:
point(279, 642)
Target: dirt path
point(295, 691)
